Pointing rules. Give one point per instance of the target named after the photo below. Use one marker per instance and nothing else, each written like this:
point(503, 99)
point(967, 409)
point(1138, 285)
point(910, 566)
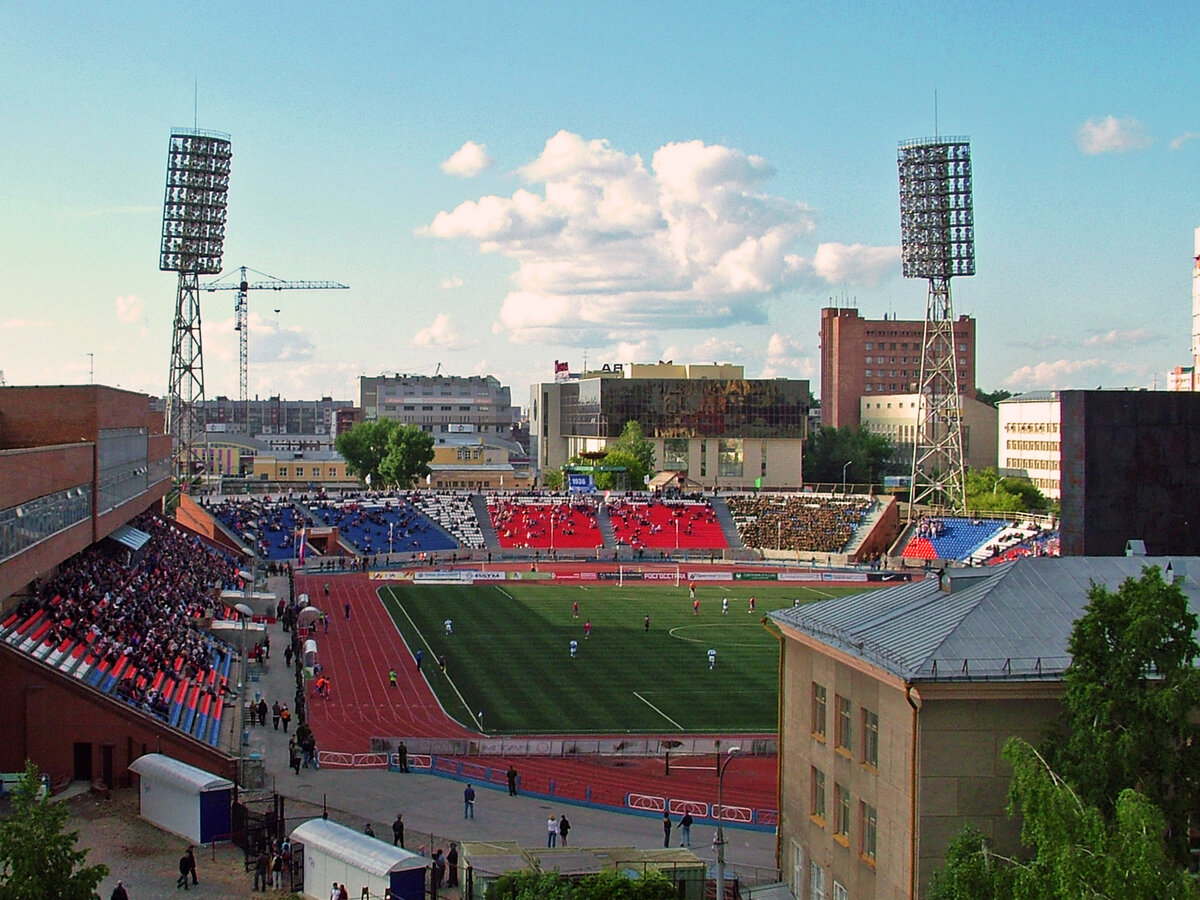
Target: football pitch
point(509, 654)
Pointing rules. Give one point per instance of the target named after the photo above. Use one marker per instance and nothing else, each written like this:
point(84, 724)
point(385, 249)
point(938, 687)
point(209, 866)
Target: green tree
point(633, 442)
point(38, 860)
point(1074, 851)
point(829, 449)
point(552, 479)
point(365, 446)
point(410, 450)
point(993, 397)
point(1132, 694)
point(987, 490)
point(602, 886)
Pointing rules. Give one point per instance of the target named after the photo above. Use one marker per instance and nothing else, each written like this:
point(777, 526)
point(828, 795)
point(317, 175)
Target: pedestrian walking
point(564, 828)
point(469, 802)
point(275, 710)
point(685, 830)
point(695, 607)
point(551, 831)
point(442, 662)
point(277, 870)
point(346, 606)
point(574, 647)
point(262, 870)
point(185, 870)
point(294, 756)
point(439, 870)
point(419, 656)
point(285, 717)
point(452, 866)
point(402, 753)
point(119, 892)
point(751, 609)
point(724, 606)
point(666, 829)
point(288, 653)
point(712, 658)
point(512, 780)
point(398, 831)
point(392, 677)
point(646, 623)
point(575, 609)
point(587, 629)
point(449, 625)
point(191, 858)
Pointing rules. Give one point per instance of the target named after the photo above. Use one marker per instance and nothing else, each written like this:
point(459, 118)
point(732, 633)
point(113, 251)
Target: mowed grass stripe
point(509, 655)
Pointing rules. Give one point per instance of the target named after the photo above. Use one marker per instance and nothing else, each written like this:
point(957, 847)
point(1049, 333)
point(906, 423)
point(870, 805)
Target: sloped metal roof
point(362, 851)
point(166, 769)
point(133, 538)
point(1009, 622)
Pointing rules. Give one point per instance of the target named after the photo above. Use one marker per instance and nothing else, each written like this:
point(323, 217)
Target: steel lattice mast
point(937, 233)
point(193, 236)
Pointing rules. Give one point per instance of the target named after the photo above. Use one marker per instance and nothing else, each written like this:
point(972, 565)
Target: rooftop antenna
point(91, 368)
point(935, 113)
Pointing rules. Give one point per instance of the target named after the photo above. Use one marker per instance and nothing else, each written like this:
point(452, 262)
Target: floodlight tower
point(193, 236)
point(937, 242)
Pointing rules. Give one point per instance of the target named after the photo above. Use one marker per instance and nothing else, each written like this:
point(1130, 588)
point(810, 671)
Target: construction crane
point(240, 308)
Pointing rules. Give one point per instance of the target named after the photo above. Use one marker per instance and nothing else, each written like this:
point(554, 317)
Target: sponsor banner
point(822, 576)
point(389, 576)
point(661, 576)
point(443, 576)
point(618, 576)
point(581, 484)
point(889, 576)
point(754, 576)
point(710, 576)
point(530, 576)
point(488, 576)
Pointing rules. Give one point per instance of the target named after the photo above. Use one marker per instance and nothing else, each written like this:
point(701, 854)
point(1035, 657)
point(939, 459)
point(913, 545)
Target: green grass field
point(509, 654)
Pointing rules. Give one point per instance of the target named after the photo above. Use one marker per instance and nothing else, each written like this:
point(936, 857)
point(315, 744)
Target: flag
point(303, 544)
point(368, 479)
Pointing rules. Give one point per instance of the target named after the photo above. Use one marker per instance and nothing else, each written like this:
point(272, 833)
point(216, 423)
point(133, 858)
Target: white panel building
point(1031, 440)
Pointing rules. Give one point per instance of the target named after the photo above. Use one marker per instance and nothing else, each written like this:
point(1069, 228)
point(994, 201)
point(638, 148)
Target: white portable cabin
point(334, 852)
point(190, 802)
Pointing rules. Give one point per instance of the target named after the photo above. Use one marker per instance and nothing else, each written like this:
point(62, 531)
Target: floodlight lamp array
point(193, 233)
point(937, 225)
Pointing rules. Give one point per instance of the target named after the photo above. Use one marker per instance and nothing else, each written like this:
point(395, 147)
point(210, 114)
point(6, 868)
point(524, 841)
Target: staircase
point(725, 517)
point(490, 539)
point(606, 527)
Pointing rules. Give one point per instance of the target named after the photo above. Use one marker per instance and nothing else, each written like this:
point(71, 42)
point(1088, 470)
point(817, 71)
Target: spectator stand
point(384, 525)
point(950, 537)
point(665, 525)
point(133, 629)
point(800, 523)
point(546, 521)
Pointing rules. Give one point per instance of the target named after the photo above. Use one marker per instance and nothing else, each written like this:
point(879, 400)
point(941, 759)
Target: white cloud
point(1130, 338)
point(1054, 374)
point(1178, 142)
point(14, 324)
point(612, 247)
point(785, 357)
point(716, 349)
point(468, 161)
point(441, 333)
point(451, 283)
point(1111, 135)
point(130, 309)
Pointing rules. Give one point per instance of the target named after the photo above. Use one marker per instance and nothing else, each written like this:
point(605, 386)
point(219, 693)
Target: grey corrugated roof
point(1008, 622)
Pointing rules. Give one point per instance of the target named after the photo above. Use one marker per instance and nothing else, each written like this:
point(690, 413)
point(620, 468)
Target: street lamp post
point(245, 612)
point(719, 841)
point(844, 468)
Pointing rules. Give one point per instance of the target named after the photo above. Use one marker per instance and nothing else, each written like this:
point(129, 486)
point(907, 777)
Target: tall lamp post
point(719, 841)
point(245, 613)
point(844, 468)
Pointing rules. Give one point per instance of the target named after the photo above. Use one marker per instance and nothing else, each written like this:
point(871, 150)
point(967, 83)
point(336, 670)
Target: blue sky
point(503, 185)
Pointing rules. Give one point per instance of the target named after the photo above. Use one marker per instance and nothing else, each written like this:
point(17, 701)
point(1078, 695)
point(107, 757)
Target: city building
point(1030, 442)
point(476, 463)
point(872, 357)
point(314, 419)
point(441, 404)
point(896, 703)
point(1185, 378)
point(301, 470)
point(895, 417)
point(720, 429)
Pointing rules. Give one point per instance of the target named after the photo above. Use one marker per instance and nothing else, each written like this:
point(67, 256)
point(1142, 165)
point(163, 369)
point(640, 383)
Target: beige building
point(1030, 440)
point(300, 470)
point(708, 423)
point(895, 417)
point(896, 703)
point(479, 465)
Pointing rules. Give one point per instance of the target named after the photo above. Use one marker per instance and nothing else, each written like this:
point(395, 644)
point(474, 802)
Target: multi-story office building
point(710, 422)
point(1030, 440)
point(272, 416)
point(873, 357)
point(441, 404)
point(895, 417)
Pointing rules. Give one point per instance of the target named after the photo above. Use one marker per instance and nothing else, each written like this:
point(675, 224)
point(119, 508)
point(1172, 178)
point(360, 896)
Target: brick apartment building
point(873, 357)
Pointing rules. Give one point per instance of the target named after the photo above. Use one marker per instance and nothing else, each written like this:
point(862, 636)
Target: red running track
point(357, 653)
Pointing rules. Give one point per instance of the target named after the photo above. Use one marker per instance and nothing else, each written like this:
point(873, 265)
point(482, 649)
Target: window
point(870, 739)
point(844, 738)
point(816, 804)
point(283, 470)
point(818, 710)
point(839, 891)
point(870, 345)
point(868, 830)
point(841, 812)
point(816, 882)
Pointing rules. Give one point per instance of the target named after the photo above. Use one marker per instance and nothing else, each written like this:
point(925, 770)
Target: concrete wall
point(45, 714)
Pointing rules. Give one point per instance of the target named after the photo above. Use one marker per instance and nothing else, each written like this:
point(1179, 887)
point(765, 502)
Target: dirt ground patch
point(146, 858)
